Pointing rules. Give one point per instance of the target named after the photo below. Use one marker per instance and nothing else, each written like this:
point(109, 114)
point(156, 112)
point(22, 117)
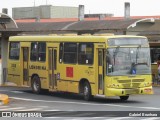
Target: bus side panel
point(37, 68)
point(73, 86)
point(68, 78)
point(70, 75)
point(13, 63)
point(74, 82)
point(62, 85)
point(14, 72)
point(87, 72)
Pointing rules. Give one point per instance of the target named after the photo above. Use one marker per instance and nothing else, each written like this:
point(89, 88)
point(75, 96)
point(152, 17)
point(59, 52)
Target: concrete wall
point(64, 12)
point(45, 11)
point(25, 12)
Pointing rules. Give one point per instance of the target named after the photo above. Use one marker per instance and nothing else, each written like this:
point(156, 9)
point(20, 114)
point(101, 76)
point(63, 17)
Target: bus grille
point(138, 80)
point(131, 83)
point(135, 85)
point(126, 85)
point(124, 81)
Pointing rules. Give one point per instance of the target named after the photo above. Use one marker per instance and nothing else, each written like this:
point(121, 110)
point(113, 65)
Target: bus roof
point(77, 38)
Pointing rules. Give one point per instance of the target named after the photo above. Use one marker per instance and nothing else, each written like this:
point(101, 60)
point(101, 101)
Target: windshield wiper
point(133, 67)
point(135, 64)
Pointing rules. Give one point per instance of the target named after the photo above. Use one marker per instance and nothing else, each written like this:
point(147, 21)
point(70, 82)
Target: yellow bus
point(89, 65)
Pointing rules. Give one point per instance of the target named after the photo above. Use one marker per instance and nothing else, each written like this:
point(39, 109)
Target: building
point(44, 11)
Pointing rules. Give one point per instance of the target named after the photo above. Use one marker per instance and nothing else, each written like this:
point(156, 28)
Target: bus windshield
point(127, 61)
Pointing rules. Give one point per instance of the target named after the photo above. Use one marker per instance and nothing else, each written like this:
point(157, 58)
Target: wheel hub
point(36, 86)
point(85, 90)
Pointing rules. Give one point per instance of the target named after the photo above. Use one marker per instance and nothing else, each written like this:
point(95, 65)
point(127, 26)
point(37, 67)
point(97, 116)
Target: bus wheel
point(87, 92)
point(123, 98)
point(36, 85)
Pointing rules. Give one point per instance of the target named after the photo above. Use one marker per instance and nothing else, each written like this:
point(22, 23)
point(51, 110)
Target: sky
point(116, 7)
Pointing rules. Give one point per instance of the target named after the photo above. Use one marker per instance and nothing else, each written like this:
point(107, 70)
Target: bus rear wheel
point(87, 92)
point(123, 98)
point(36, 84)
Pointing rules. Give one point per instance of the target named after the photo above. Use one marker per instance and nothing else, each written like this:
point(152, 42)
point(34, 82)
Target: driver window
point(108, 62)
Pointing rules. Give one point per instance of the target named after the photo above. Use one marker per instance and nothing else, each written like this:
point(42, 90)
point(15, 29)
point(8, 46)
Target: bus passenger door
point(52, 64)
point(100, 71)
point(100, 67)
point(25, 75)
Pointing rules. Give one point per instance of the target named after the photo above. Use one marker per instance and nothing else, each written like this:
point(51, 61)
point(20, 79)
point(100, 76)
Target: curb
point(4, 99)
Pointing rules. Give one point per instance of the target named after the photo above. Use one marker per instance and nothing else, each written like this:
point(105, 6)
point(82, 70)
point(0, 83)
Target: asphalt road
point(73, 105)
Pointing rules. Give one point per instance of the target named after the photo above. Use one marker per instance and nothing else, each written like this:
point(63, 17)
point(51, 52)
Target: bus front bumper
point(130, 91)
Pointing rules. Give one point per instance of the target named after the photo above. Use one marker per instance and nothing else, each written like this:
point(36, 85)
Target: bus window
point(41, 51)
point(85, 53)
point(34, 51)
point(70, 53)
point(38, 51)
point(14, 51)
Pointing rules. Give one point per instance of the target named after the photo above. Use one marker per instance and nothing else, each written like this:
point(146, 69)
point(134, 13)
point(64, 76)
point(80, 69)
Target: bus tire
point(36, 84)
point(87, 92)
point(123, 98)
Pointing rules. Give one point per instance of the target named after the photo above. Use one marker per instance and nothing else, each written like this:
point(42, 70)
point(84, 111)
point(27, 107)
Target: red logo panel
point(69, 71)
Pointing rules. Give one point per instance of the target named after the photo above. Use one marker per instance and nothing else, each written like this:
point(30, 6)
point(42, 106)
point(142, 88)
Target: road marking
point(32, 109)
point(52, 110)
point(84, 118)
point(103, 118)
point(80, 103)
point(4, 90)
point(119, 118)
point(3, 106)
point(43, 106)
point(16, 91)
point(7, 109)
point(56, 113)
point(82, 114)
point(151, 118)
point(55, 118)
point(59, 112)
